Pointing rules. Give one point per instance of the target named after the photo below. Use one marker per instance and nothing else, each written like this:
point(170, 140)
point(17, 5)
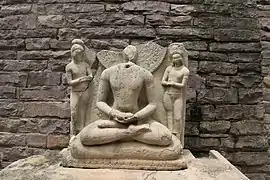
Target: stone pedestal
point(168, 165)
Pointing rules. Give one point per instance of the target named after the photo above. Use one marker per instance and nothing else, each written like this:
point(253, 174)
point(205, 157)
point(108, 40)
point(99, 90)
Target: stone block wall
point(224, 37)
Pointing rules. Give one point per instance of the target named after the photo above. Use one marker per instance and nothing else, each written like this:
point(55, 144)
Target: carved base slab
point(168, 165)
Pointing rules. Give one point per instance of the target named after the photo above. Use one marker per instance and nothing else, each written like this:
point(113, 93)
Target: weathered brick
point(253, 111)
point(37, 140)
point(245, 57)
point(193, 66)
point(208, 112)
point(247, 127)
point(52, 21)
point(43, 93)
point(196, 81)
point(266, 94)
point(218, 81)
point(15, 9)
point(195, 45)
point(117, 19)
point(227, 143)
point(34, 55)
point(18, 21)
point(18, 125)
point(10, 139)
point(148, 6)
point(12, 44)
point(7, 92)
point(256, 176)
point(109, 43)
point(13, 78)
point(59, 45)
point(191, 95)
point(217, 67)
point(57, 141)
point(265, 36)
point(246, 81)
point(84, 21)
point(182, 9)
point(134, 32)
point(267, 107)
point(211, 56)
point(38, 9)
point(53, 126)
point(218, 8)
point(44, 78)
point(192, 129)
point(265, 24)
point(201, 144)
point(209, 143)
point(227, 22)
point(30, 33)
point(8, 54)
point(74, 8)
point(68, 34)
point(229, 112)
point(158, 20)
point(58, 65)
point(9, 109)
point(218, 96)
point(37, 43)
point(24, 65)
point(112, 7)
point(186, 33)
point(248, 158)
point(214, 126)
point(14, 153)
point(46, 109)
point(252, 143)
point(250, 96)
point(236, 35)
point(248, 67)
point(235, 47)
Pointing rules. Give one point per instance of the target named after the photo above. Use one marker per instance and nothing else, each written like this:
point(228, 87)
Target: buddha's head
point(130, 53)
point(77, 52)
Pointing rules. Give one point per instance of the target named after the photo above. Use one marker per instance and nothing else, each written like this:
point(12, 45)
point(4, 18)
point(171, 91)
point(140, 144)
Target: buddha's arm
point(102, 95)
point(151, 107)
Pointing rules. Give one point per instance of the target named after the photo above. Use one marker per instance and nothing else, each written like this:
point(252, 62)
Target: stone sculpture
point(128, 137)
point(175, 82)
point(79, 76)
point(126, 119)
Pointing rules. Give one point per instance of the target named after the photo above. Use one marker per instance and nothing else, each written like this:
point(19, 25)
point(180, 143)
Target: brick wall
point(225, 105)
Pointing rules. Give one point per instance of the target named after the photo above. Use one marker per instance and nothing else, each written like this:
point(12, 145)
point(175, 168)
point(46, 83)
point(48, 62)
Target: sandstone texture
point(44, 168)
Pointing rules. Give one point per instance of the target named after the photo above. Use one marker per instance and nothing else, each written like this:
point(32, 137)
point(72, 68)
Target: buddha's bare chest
point(125, 79)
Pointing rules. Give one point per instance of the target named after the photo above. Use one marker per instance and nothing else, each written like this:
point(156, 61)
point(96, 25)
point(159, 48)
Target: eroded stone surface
point(125, 96)
point(40, 167)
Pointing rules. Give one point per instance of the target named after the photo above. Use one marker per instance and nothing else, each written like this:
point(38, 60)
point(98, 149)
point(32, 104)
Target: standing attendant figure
point(79, 76)
point(174, 81)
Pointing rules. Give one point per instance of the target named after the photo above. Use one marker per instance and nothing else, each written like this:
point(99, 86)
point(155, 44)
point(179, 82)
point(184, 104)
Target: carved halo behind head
point(148, 56)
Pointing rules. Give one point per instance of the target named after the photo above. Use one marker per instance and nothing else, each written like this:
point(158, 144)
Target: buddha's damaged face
point(130, 53)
